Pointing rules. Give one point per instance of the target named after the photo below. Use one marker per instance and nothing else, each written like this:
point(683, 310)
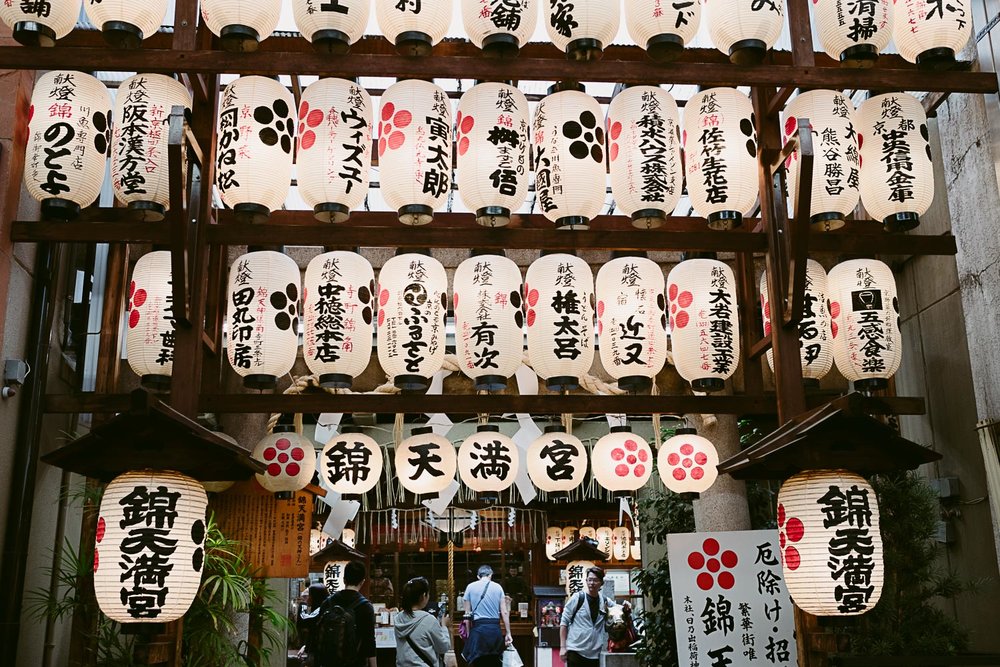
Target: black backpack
point(337, 634)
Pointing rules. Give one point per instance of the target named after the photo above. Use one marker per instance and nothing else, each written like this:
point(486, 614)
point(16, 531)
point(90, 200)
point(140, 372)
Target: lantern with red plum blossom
point(831, 547)
point(290, 459)
point(621, 461)
point(149, 334)
point(335, 147)
point(687, 462)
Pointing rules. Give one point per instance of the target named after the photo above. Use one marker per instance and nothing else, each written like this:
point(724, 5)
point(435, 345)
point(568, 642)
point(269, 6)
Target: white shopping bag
point(511, 658)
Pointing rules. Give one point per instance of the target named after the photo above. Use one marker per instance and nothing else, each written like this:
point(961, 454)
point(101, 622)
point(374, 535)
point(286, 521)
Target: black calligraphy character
point(40, 8)
point(777, 651)
point(561, 455)
point(494, 459)
point(349, 461)
point(718, 616)
point(425, 460)
point(719, 658)
point(412, 5)
point(333, 6)
point(767, 582)
point(849, 507)
point(561, 18)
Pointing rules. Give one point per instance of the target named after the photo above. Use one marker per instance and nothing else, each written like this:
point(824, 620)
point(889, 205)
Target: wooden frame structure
point(199, 235)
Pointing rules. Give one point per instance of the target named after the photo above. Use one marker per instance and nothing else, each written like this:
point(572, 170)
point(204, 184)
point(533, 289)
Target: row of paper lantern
point(488, 461)
point(742, 29)
point(641, 140)
point(616, 542)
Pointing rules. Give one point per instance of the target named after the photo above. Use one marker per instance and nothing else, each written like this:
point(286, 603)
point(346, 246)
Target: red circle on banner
point(314, 118)
point(383, 297)
point(696, 560)
point(727, 580)
point(139, 297)
point(532, 298)
point(396, 139)
point(467, 124)
point(292, 469)
point(531, 318)
point(631, 459)
point(705, 581)
point(700, 458)
point(834, 309)
point(697, 473)
point(643, 455)
point(283, 443)
point(631, 445)
point(617, 454)
point(781, 515)
point(270, 453)
point(133, 319)
point(303, 109)
point(714, 565)
point(672, 292)
point(687, 463)
point(614, 152)
point(298, 453)
point(710, 546)
point(274, 470)
point(97, 560)
point(729, 558)
point(640, 470)
point(463, 146)
point(282, 457)
point(308, 139)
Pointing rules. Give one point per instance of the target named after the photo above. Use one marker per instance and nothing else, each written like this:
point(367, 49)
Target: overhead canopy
point(152, 435)
point(582, 549)
point(337, 550)
point(839, 434)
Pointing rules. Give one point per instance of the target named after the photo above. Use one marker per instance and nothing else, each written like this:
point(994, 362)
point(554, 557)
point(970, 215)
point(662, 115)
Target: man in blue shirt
point(582, 632)
point(485, 605)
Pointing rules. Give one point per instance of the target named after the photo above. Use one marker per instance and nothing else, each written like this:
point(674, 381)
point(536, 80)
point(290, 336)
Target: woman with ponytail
point(420, 638)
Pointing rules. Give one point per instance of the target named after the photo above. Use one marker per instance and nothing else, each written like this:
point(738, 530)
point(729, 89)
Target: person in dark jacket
point(316, 595)
point(420, 638)
point(364, 615)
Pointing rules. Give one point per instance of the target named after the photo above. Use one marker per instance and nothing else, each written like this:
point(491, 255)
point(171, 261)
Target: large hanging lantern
point(150, 546)
point(867, 345)
point(582, 28)
point(125, 23)
point(605, 538)
point(558, 293)
point(632, 321)
point(414, 149)
point(338, 307)
point(254, 146)
point(835, 162)
point(500, 27)
point(557, 461)
point(488, 460)
point(335, 147)
point(492, 143)
point(140, 173)
point(704, 322)
point(621, 543)
point(853, 32)
point(332, 27)
point(576, 576)
point(149, 336)
point(745, 29)
point(553, 541)
point(831, 547)
point(720, 147)
point(621, 461)
point(413, 305)
point(815, 332)
point(69, 131)
point(290, 459)
point(897, 177)
point(426, 462)
point(930, 34)
point(489, 338)
point(569, 157)
point(662, 28)
point(414, 26)
point(688, 462)
point(40, 23)
point(351, 463)
point(263, 301)
point(241, 25)
point(644, 144)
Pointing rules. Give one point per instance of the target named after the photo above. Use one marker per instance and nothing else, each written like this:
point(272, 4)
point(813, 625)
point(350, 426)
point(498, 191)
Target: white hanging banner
point(341, 511)
point(527, 385)
point(439, 421)
point(440, 504)
point(327, 426)
point(625, 507)
point(617, 420)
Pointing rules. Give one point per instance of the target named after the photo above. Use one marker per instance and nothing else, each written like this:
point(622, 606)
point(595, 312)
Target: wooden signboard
point(274, 533)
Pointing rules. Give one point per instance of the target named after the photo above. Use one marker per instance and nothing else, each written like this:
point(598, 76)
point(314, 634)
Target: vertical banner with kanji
point(731, 607)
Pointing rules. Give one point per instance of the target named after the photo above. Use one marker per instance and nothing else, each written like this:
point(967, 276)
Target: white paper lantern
point(348, 537)
point(150, 546)
point(338, 308)
point(241, 25)
point(704, 322)
point(815, 331)
point(335, 147)
point(621, 543)
point(636, 550)
point(149, 312)
point(553, 541)
point(256, 133)
point(897, 177)
point(835, 156)
point(351, 462)
point(263, 317)
point(559, 290)
point(318, 540)
point(333, 576)
point(688, 462)
point(605, 538)
point(557, 461)
point(125, 23)
point(644, 146)
point(582, 28)
point(69, 132)
point(331, 26)
point(414, 26)
point(745, 29)
point(853, 32)
point(492, 142)
point(40, 23)
point(867, 345)
point(569, 158)
point(500, 27)
point(831, 547)
point(621, 461)
point(570, 534)
point(720, 147)
point(414, 149)
point(662, 28)
point(588, 532)
point(576, 576)
point(489, 338)
point(632, 321)
point(929, 33)
point(488, 460)
point(140, 173)
point(426, 462)
point(413, 305)
point(290, 459)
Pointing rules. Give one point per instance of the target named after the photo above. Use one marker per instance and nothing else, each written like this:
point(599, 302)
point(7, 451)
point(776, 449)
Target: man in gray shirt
point(581, 630)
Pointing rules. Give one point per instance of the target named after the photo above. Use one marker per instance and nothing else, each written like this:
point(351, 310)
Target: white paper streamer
point(527, 385)
point(473, 520)
point(512, 517)
point(341, 512)
point(617, 420)
point(394, 519)
point(327, 426)
point(625, 507)
point(439, 421)
point(439, 505)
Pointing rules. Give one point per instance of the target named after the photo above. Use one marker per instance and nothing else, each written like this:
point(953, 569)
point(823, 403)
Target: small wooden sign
point(274, 533)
